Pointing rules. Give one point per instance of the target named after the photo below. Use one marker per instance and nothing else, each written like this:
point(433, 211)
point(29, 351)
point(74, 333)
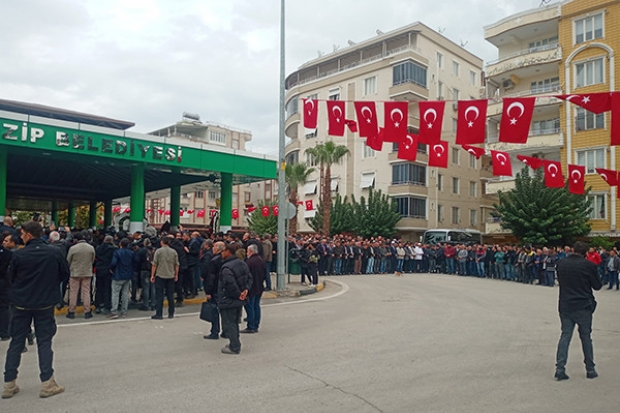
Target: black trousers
point(45, 326)
point(4, 321)
point(215, 325)
point(231, 318)
point(164, 286)
point(179, 284)
point(103, 291)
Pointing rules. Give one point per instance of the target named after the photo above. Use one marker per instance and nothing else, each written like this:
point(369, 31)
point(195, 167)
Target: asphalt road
point(421, 343)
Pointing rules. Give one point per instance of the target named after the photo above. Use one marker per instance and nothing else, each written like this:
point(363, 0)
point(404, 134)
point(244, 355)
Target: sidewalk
point(292, 290)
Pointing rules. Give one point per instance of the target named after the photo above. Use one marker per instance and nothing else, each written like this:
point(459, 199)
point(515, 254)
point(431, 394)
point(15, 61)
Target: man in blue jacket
point(122, 274)
point(36, 272)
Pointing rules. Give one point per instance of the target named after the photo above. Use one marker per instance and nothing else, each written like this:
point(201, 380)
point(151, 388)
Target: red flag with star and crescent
point(395, 121)
point(576, 179)
point(615, 118)
point(408, 148)
point(501, 163)
point(266, 210)
point(309, 206)
point(474, 150)
point(335, 117)
point(438, 154)
point(375, 142)
point(366, 119)
point(516, 119)
point(471, 122)
point(431, 120)
point(276, 210)
point(609, 176)
point(531, 161)
point(553, 174)
point(311, 113)
point(235, 213)
point(593, 102)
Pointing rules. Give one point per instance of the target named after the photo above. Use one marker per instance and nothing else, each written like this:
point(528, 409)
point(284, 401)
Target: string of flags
point(514, 127)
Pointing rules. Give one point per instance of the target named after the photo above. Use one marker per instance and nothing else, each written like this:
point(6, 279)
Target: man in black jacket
point(252, 306)
point(5, 259)
point(233, 284)
point(177, 245)
point(210, 268)
point(103, 281)
point(577, 277)
point(36, 273)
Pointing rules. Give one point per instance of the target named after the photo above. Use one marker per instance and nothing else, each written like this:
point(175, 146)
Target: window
point(200, 194)
point(439, 60)
point(472, 161)
point(247, 197)
point(455, 155)
point(370, 85)
point(473, 217)
point(543, 44)
point(587, 120)
point(456, 94)
point(368, 180)
point(369, 152)
point(440, 90)
point(312, 134)
point(591, 159)
point(409, 72)
point(473, 189)
point(268, 193)
point(599, 211)
point(235, 199)
point(545, 127)
point(547, 85)
point(310, 188)
point(589, 73)
point(411, 207)
point(455, 68)
point(439, 182)
point(588, 28)
point(334, 94)
point(310, 160)
point(440, 213)
point(235, 143)
point(408, 173)
point(292, 106)
point(456, 183)
point(456, 215)
point(472, 77)
point(212, 195)
point(217, 137)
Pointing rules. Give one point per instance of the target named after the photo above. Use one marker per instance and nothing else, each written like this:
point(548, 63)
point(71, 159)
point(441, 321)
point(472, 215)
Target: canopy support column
point(136, 214)
point(226, 189)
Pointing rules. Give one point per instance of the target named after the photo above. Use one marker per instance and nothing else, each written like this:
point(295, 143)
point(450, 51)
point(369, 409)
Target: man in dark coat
point(5, 259)
point(103, 281)
point(252, 306)
point(210, 269)
point(577, 278)
point(233, 284)
point(177, 245)
point(36, 273)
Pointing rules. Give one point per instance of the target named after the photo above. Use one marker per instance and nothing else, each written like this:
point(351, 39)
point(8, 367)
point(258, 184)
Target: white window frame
point(368, 152)
point(439, 60)
point(587, 113)
point(217, 137)
point(456, 156)
point(368, 180)
point(473, 213)
point(456, 68)
point(472, 77)
point(310, 187)
point(440, 182)
point(372, 81)
point(583, 18)
point(332, 93)
point(473, 162)
point(212, 195)
point(596, 207)
point(585, 76)
point(440, 213)
point(590, 169)
point(456, 189)
point(473, 185)
point(458, 215)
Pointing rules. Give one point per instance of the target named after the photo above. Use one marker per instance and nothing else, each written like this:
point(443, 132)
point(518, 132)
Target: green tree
point(377, 217)
point(260, 224)
point(296, 175)
point(539, 215)
point(600, 241)
point(342, 217)
point(327, 154)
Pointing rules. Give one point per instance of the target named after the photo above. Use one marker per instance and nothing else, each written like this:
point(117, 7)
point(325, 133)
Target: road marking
point(344, 290)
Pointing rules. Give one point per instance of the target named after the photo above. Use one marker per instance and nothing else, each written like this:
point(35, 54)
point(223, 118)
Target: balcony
point(292, 146)
point(292, 126)
point(496, 185)
point(422, 156)
point(550, 139)
point(408, 188)
point(412, 224)
point(410, 91)
point(520, 25)
point(529, 57)
point(496, 103)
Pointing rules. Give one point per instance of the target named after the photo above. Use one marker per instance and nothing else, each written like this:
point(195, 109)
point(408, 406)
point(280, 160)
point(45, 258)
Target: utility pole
point(282, 251)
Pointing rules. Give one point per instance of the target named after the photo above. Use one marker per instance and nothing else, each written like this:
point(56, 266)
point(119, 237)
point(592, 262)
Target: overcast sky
point(147, 61)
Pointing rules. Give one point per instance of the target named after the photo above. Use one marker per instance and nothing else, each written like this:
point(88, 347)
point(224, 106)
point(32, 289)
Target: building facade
point(413, 63)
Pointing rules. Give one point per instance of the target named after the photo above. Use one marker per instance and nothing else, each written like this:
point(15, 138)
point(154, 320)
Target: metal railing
point(524, 52)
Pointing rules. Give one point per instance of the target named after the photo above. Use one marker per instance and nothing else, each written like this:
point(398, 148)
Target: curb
point(312, 290)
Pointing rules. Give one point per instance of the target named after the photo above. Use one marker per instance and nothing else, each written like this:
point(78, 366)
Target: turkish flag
point(311, 113)
point(266, 211)
point(309, 206)
point(181, 212)
point(516, 119)
point(252, 208)
point(116, 209)
point(408, 148)
point(593, 102)
point(160, 211)
point(276, 210)
point(235, 213)
point(351, 124)
point(395, 121)
point(127, 209)
point(615, 119)
point(375, 142)
point(212, 213)
point(167, 212)
point(190, 211)
point(438, 154)
point(472, 121)
point(609, 176)
point(149, 210)
point(431, 121)
point(474, 150)
point(201, 213)
point(530, 161)
point(335, 117)
point(553, 174)
point(501, 163)
point(366, 118)
point(576, 179)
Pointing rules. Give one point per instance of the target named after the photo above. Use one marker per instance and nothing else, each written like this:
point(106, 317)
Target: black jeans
point(215, 325)
point(164, 285)
point(179, 284)
point(231, 317)
point(583, 318)
point(103, 290)
point(4, 321)
point(45, 326)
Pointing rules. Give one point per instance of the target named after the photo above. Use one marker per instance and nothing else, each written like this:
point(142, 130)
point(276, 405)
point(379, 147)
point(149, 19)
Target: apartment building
point(413, 63)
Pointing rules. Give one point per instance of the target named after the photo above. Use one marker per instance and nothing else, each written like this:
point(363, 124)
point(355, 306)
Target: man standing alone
point(577, 277)
point(164, 273)
point(252, 306)
point(36, 272)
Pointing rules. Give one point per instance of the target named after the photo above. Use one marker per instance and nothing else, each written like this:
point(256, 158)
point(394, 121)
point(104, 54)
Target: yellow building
point(588, 35)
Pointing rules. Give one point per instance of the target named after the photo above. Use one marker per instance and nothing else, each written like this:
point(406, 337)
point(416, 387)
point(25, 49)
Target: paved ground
point(421, 343)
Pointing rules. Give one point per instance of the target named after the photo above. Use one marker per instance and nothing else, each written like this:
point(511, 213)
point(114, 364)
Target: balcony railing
point(524, 52)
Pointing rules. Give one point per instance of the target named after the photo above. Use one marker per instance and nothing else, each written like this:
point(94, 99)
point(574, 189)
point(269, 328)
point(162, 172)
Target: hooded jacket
point(122, 264)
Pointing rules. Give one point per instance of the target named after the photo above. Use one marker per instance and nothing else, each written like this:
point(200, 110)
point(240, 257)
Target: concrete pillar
point(226, 190)
point(71, 215)
point(136, 215)
point(175, 207)
point(107, 213)
point(3, 160)
point(92, 215)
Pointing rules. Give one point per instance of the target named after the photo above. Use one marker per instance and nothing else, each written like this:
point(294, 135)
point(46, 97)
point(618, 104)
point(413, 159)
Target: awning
point(310, 188)
point(334, 186)
point(368, 180)
point(310, 214)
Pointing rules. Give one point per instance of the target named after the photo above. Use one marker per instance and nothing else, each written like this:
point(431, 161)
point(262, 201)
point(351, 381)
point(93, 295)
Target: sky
point(148, 61)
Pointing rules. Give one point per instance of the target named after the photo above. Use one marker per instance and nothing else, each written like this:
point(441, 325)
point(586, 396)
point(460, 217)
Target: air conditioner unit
point(508, 84)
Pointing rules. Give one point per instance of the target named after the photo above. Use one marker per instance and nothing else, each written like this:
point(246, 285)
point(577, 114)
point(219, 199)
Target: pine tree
point(260, 224)
point(378, 217)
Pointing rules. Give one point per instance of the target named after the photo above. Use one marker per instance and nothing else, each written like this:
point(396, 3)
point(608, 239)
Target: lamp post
point(280, 283)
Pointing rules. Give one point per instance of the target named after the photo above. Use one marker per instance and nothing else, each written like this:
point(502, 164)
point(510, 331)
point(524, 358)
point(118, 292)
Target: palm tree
point(327, 154)
point(295, 175)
